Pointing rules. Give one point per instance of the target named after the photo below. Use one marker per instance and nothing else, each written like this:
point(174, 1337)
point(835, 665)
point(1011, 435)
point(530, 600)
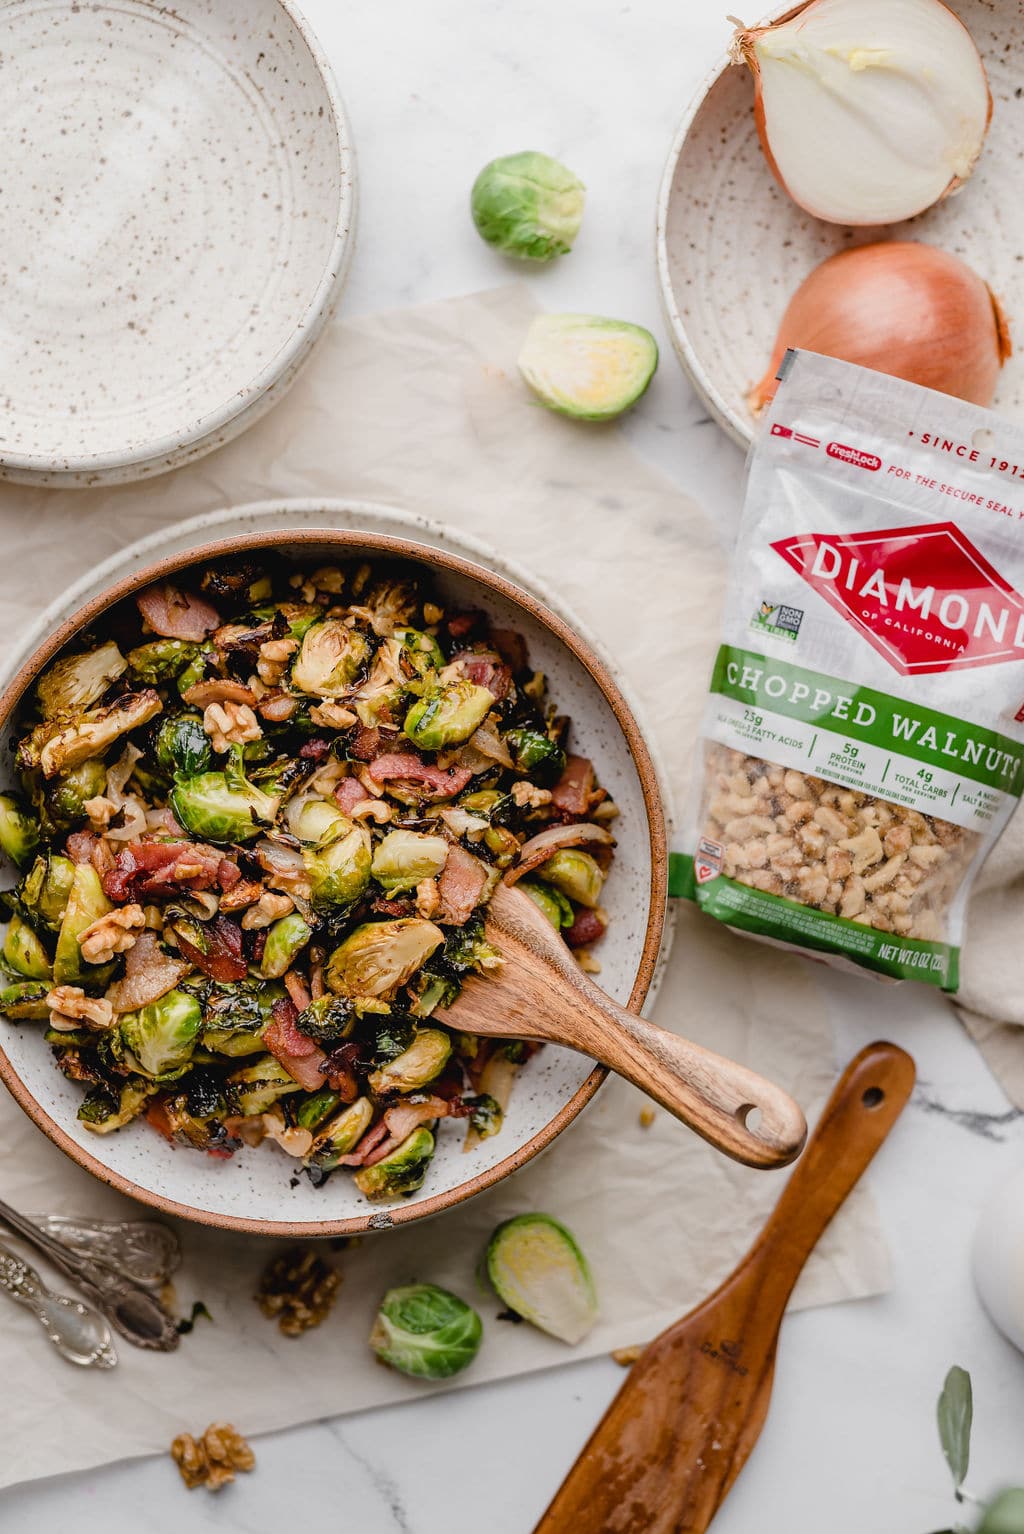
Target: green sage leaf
point(955, 1412)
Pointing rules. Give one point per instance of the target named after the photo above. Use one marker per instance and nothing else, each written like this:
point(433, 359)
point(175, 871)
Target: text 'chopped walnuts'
point(841, 851)
point(213, 1459)
point(297, 1289)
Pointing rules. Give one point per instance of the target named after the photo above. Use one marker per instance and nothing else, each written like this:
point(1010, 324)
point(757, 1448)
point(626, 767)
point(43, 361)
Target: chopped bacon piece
point(222, 960)
point(400, 1121)
point(487, 671)
point(392, 907)
point(371, 1139)
point(339, 1068)
point(571, 794)
point(297, 989)
point(461, 624)
point(366, 745)
point(228, 874)
point(301, 1058)
point(511, 647)
point(159, 868)
point(587, 928)
point(407, 767)
point(349, 793)
point(315, 750)
point(176, 614)
point(80, 845)
point(460, 886)
point(156, 1115)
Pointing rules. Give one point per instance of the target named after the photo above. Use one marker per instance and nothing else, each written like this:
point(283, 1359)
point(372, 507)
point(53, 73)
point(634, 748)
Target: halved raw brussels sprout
point(337, 1137)
point(575, 874)
point(163, 1035)
point(24, 953)
point(75, 682)
point(86, 903)
point(405, 858)
point(181, 745)
point(380, 956)
point(448, 715)
point(402, 1172)
point(584, 366)
point(423, 1061)
point(528, 205)
point(330, 658)
point(223, 806)
point(538, 1269)
point(19, 830)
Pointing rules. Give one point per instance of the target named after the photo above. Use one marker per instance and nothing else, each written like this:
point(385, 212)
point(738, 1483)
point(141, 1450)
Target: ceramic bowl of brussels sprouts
point(257, 799)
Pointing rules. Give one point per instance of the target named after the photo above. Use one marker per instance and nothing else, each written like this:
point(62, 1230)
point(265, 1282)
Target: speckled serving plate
point(252, 1191)
point(179, 205)
point(733, 247)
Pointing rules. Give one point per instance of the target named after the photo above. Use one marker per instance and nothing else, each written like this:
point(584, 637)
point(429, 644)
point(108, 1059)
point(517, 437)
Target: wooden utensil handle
point(867, 1100)
point(733, 1108)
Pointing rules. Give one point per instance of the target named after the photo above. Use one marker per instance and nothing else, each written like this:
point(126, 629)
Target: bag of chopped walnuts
point(863, 740)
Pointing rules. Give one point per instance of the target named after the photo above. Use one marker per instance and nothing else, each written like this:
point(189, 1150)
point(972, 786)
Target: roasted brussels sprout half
point(235, 1016)
point(194, 1114)
point(330, 658)
point(576, 874)
point(420, 654)
point(181, 745)
point(223, 806)
point(25, 1000)
point(551, 901)
point(528, 205)
point(285, 941)
point(19, 830)
point(448, 715)
point(337, 1137)
point(236, 583)
point(486, 1115)
point(107, 1107)
point(261, 1083)
point(76, 682)
point(393, 1036)
point(65, 797)
point(425, 1059)
point(536, 754)
point(45, 889)
point(86, 903)
point(405, 858)
point(162, 660)
point(402, 1172)
point(88, 734)
point(538, 1269)
point(313, 1111)
point(467, 948)
point(380, 956)
point(328, 1019)
point(426, 1332)
point(338, 864)
point(163, 1035)
point(23, 951)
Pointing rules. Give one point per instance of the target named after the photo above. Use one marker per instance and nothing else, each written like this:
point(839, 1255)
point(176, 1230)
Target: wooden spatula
point(679, 1431)
point(541, 993)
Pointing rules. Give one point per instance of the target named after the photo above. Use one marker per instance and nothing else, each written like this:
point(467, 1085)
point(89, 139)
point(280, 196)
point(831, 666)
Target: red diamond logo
point(924, 597)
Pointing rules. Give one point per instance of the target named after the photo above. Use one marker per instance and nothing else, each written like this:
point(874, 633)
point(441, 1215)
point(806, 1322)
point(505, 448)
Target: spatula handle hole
point(873, 1097)
point(749, 1115)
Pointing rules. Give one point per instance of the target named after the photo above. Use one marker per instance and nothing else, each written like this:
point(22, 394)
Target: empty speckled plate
point(257, 1190)
point(733, 247)
point(178, 206)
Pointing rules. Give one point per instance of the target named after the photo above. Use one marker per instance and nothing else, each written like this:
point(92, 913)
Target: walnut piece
point(333, 716)
point(371, 809)
point(269, 908)
point(230, 724)
point(298, 1288)
point(70, 1007)
point(428, 898)
point(211, 1460)
point(526, 796)
point(245, 892)
point(114, 933)
point(273, 659)
point(100, 811)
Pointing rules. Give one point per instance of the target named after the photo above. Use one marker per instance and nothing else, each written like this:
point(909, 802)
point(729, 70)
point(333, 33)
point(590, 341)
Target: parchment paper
point(423, 408)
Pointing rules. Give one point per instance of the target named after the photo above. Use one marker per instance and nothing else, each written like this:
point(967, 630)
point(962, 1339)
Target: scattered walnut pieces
point(230, 724)
point(526, 796)
point(627, 1357)
point(268, 908)
point(70, 1007)
point(114, 933)
point(298, 1288)
point(211, 1460)
point(100, 811)
point(647, 1116)
point(428, 898)
point(840, 850)
point(333, 716)
point(245, 893)
point(273, 659)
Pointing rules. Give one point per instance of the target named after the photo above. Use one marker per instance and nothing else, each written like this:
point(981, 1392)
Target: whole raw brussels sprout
point(337, 1137)
point(285, 941)
point(448, 715)
point(223, 806)
point(528, 205)
point(585, 366)
point(24, 953)
point(380, 956)
point(576, 874)
point(76, 681)
point(162, 1035)
point(404, 858)
point(19, 830)
point(426, 1332)
point(330, 659)
point(400, 1173)
point(425, 1059)
point(181, 745)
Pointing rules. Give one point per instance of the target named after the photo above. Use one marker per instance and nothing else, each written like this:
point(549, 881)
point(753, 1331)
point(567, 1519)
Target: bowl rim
point(285, 362)
point(399, 548)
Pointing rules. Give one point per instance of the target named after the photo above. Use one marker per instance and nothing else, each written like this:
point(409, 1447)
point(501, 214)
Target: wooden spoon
point(679, 1431)
point(541, 993)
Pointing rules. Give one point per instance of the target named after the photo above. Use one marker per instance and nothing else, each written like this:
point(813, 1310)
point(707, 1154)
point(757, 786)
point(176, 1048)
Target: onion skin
point(744, 51)
point(902, 308)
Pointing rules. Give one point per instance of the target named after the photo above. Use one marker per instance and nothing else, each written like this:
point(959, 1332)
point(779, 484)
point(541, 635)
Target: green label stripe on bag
point(863, 714)
point(787, 921)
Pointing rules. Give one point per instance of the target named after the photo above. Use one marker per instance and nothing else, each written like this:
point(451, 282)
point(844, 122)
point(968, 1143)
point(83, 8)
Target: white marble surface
point(434, 90)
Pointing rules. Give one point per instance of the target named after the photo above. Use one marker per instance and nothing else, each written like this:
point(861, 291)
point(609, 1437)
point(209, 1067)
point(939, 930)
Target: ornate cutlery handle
point(77, 1331)
point(143, 1249)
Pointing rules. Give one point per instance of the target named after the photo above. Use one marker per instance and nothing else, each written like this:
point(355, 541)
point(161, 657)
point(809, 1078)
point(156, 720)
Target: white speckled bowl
point(252, 1191)
point(733, 247)
point(178, 211)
